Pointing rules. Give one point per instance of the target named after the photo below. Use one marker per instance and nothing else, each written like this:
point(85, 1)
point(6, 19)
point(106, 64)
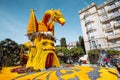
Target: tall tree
point(80, 43)
point(63, 42)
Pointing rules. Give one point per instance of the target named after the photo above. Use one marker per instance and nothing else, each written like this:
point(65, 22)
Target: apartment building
point(101, 25)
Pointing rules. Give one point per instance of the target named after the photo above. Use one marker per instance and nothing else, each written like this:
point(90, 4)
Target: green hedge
point(94, 54)
point(111, 52)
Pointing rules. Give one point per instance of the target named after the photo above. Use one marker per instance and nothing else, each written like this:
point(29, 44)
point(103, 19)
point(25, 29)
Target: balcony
point(107, 26)
point(108, 29)
point(102, 12)
point(117, 25)
point(118, 4)
point(87, 22)
point(112, 7)
point(113, 36)
point(90, 30)
point(113, 45)
point(115, 15)
point(105, 20)
point(91, 38)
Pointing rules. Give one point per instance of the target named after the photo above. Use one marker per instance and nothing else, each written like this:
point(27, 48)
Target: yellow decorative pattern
point(108, 74)
point(79, 72)
point(53, 76)
point(7, 75)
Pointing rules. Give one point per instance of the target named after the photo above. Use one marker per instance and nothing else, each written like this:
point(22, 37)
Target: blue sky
point(14, 16)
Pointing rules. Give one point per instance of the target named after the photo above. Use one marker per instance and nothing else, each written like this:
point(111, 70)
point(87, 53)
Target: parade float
point(42, 62)
point(41, 53)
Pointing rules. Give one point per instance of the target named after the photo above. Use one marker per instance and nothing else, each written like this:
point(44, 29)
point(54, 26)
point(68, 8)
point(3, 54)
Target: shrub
point(111, 52)
point(93, 56)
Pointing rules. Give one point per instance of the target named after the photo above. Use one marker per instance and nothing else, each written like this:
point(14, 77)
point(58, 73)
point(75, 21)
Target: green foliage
point(93, 56)
point(65, 51)
point(76, 51)
point(80, 43)
point(58, 49)
point(10, 52)
point(23, 47)
point(72, 52)
point(63, 42)
point(94, 52)
point(61, 62)
point(111, 52)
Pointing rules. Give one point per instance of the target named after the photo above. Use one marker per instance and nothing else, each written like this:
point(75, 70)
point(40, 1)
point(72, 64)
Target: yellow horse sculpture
point(41, 45)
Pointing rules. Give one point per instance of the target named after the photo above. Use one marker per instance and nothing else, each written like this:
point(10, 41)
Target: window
point(93, 45)
point(87, 19)
point(86, 14)
point(91, 34)
point(114, 11)
point(112, 3)
point(89, 26)
point(118, 20)
point(105, 17)
point(110, 33)
point(118, 1)
point(113, 41)
point(117, 31)
point(101, 11)
point(107, 25)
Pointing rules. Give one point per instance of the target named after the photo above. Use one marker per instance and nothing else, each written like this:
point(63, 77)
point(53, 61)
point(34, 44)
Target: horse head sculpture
point(54, 15)
point(47, 22)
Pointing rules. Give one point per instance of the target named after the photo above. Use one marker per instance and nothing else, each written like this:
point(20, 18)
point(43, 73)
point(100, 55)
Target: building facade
point(101, 25)
point(71, 45)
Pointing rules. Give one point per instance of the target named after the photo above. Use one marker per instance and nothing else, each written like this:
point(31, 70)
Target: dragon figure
point(41, 35)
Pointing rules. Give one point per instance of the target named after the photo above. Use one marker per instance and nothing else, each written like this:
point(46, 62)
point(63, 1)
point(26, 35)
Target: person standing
point(102, 56)
point(79, 61)
point(106, 61)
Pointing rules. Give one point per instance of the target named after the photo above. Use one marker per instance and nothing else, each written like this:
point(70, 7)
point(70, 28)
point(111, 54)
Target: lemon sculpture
point(41, 35)
point(41, 55)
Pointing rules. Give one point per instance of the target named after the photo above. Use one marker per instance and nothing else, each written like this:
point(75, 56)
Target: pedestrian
point(106, 59)
point(116, 61)
point(79, 61)
point(118, 68)
point(101, 58)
